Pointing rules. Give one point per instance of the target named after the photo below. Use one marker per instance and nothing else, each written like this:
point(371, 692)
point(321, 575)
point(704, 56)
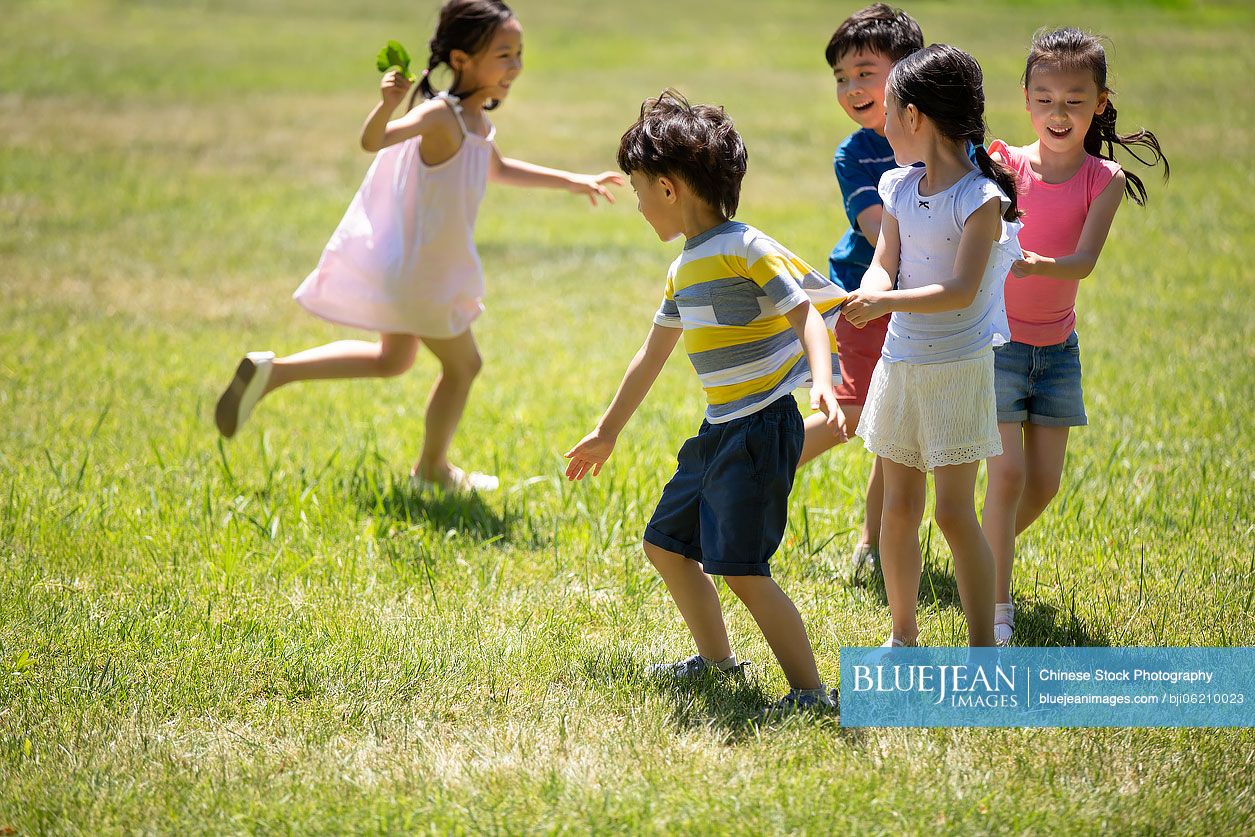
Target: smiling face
point(656, 199)
point(492, 70)
point(861, 76)
point(1061, 104)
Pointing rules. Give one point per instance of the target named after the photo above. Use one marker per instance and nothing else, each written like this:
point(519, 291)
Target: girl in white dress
point(403, 262)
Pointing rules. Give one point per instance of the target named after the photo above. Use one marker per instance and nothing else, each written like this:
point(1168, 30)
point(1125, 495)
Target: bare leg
point(1002, 502)
point(459, 364)
point(1045, 449)
point(875, 505)
point(973, 561)
point(820, 437)
point(392, 355)
point(695, 596)
point(781, 625)
point(899, 545)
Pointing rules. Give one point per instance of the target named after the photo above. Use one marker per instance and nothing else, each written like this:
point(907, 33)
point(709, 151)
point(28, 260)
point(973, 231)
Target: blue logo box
point(1048, 687)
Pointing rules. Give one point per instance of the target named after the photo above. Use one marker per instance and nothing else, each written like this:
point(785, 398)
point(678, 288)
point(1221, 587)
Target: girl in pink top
point(403, 261)
point(1070, 189)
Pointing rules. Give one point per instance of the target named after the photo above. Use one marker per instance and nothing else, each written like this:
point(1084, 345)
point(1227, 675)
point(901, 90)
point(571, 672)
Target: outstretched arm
point(595, 448)
point(519, 173)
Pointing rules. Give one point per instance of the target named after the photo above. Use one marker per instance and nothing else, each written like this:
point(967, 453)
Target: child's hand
point(862, 306)
point(590, 454)
point(394, 87)
point(824, 399)
point(593, 185)
point(1026, 266)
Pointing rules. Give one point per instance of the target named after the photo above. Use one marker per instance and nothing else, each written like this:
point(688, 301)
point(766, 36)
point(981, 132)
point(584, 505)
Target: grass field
point(275, 635)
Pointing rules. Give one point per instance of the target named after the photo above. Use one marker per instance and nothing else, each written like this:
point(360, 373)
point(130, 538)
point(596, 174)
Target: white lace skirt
point(925, 415)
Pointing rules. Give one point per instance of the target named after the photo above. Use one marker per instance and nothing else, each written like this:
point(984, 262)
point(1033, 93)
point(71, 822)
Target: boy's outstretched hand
point(590, 454)
point(595, 184)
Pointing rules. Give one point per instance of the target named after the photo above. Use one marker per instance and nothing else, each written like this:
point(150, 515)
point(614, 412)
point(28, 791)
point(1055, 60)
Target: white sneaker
point(887, 648)
point(863, 563)
point(242, 394)
point(1004, 623)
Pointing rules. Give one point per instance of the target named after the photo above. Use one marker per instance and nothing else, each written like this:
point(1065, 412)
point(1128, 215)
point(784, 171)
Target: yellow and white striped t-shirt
point(729, 290)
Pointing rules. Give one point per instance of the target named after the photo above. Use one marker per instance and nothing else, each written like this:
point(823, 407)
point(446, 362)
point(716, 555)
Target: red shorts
point(858, 350)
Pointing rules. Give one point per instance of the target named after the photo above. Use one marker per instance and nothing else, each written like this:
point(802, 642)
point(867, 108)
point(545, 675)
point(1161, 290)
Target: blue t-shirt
point(861, 159)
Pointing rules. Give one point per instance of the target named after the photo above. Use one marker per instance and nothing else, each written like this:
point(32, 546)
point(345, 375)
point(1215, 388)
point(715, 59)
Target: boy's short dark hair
point(878, 28)
point(696, 143)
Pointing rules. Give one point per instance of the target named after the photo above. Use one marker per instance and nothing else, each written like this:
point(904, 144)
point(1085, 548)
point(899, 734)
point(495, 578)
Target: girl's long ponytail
point(999, 174)
point(1102, 138)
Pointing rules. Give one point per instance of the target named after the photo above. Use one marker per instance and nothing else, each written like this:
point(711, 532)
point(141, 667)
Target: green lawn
point(275, 635)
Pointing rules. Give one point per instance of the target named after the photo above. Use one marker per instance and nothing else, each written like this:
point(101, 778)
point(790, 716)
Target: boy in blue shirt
point(861, 52)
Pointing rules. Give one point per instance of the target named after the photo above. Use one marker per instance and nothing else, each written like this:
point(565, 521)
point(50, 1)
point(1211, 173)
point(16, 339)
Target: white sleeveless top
point(403, 258)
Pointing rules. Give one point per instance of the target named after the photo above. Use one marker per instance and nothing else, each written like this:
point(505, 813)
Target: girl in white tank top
point(402, 261)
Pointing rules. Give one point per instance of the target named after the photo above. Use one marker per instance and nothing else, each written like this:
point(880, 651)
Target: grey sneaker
point(694, 667)
point(822, 699)
point(863, 563)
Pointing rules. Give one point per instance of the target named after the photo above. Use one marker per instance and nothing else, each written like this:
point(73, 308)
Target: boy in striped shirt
point(757, 323)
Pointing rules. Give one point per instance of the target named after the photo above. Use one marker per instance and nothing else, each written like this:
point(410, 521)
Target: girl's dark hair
point(467, 25)
point(946, 85)
point(879, 28)
point(696, 143)
point(1072, 49)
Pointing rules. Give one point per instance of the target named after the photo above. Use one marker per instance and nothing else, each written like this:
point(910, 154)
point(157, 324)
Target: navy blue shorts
point(1040, 384)
point(727, 504)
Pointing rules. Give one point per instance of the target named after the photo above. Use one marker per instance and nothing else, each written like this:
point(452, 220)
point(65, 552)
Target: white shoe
point(887, 648)
point(1004, 623)
point(242, 394)
point(863, 563)
point(459, 481)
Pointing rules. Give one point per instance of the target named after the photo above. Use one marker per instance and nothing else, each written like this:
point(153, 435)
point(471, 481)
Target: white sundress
point(403, 258)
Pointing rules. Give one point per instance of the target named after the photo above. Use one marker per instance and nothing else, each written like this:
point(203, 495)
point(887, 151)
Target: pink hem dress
point(403, 258)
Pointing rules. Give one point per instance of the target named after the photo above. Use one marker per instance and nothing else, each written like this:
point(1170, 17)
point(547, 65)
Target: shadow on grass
point(1037, 623)
point(441, 510)
point(729, 705)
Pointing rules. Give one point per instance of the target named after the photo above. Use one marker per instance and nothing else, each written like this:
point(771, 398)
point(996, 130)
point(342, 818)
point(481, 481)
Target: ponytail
point(424, 82)
point(1102, 132)
point(1002, 176)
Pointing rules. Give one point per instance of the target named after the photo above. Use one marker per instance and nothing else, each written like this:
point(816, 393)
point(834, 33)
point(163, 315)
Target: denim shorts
point(1040, 384)
point(727, 504)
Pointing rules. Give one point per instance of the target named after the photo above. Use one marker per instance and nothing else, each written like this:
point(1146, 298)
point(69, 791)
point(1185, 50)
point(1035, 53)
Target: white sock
point(726, 664)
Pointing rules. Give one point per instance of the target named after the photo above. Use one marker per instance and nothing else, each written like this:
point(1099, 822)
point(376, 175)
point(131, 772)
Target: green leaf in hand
point(394, 56)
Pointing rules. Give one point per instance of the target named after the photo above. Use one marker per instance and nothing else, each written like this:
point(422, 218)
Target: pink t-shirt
point(1042, 310)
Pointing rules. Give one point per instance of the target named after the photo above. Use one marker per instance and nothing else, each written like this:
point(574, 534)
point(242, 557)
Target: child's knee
point(747, 586)
point(464, 369)
point(659, 557)
point(902, 509)
point(1042, 489)
point(954, 515)
point(1006, 480)
point(395, 360)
